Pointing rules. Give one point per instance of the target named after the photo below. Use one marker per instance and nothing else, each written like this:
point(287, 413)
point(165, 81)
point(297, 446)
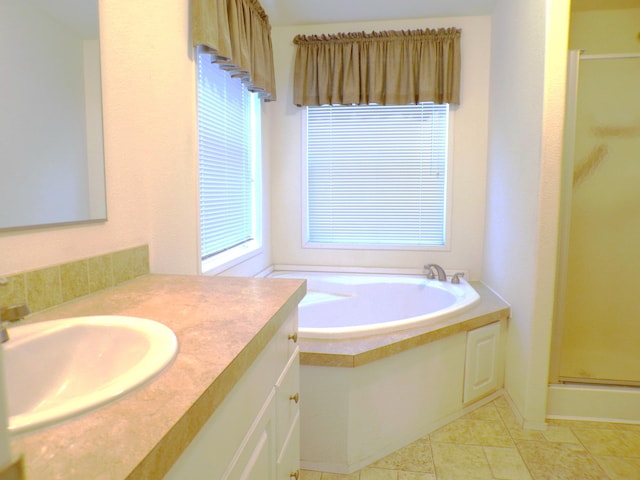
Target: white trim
point(230, 258)
point(594, 403)
point(566, 194)
point(365, 270)
point(609, 56)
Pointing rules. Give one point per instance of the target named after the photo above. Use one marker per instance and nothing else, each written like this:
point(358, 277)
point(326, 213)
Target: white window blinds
point(227, 113)
point(377, 175)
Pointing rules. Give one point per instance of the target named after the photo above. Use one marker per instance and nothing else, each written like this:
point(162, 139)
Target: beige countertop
point(222, 324)
point(359, 351)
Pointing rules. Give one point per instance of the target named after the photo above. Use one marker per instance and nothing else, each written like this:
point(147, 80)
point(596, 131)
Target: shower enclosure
point(597, 331)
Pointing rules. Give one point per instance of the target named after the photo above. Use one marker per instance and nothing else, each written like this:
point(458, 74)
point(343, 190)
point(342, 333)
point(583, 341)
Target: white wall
point(149, 95)
point(469, 155)
point(126, 167)
point(529, 45)
point(150, 140)
point(149, 121)
point(150, 149)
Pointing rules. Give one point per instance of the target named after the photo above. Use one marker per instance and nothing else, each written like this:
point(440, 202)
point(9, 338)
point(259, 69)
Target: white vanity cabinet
point(254, 434)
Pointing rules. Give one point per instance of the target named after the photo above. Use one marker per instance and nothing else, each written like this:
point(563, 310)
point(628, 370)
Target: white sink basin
point(59, 369)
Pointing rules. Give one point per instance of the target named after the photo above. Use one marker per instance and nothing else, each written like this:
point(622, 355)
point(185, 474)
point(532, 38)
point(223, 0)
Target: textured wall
point(527, 109)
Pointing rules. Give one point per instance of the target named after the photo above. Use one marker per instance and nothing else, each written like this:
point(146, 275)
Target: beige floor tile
point(610, 442)
point(581, 423)
point(559, 461)
point(310, 475)
point(378, 474)
point(560, 434)
point(524, 434)
point(488, 443)
point(415, 457)
point(506, 463)
point(550, 453)
point(632, 427)
point(632, 438)
point(488, 412)
point(340, 476)
point(474, 432)
point(415, 476)
point(620, 468)
point(508, 417)
point(586, 471)
point(456, 462)
point(501, 402)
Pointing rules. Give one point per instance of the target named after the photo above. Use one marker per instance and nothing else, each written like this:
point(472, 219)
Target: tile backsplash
point(51, 286)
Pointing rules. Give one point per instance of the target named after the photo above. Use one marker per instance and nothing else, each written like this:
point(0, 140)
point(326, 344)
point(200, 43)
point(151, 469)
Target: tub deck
point(360, 351)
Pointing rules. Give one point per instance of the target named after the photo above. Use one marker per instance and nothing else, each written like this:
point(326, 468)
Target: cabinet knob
point(295, 398)
point(294, 337)
point(295, 475)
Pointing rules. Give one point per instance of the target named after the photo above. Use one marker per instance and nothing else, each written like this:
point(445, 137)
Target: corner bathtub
point(348, 305)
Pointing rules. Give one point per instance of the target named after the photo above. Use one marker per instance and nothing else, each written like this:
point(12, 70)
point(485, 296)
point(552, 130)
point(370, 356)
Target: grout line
point(433, 457)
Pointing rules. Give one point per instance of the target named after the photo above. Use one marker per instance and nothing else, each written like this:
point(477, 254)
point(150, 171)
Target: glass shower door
point(600, 340)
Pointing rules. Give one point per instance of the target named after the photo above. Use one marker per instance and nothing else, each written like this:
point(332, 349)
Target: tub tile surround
point(222, 325)
point(489, 443)
point(361, 351)
point(51, 286)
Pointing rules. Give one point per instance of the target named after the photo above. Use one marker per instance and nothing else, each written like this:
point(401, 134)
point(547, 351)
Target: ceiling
point(300, 12)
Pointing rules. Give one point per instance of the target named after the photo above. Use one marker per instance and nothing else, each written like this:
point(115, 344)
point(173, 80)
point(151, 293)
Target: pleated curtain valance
point(385, 68)
point(238, 35)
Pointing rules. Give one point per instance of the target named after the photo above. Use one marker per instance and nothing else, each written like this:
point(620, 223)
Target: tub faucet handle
point(456, 278)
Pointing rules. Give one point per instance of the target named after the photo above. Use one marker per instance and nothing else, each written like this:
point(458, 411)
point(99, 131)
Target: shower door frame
point(566, 194)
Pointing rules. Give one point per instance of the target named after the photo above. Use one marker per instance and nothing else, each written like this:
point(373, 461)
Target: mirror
point(51, 143)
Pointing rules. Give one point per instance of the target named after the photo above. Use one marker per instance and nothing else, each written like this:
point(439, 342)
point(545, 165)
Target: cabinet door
point(255, 459)
point(287, 399)
point(482, 365)
point(289, 461)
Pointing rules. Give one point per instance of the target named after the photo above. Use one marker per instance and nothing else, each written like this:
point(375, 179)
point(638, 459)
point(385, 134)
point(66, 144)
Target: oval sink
point(58, 369)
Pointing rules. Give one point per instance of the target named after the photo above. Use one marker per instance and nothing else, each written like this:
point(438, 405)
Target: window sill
point(225, 260)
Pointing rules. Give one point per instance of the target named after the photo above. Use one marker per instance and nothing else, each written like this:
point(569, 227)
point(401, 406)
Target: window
point(228, 140)
point(377, 176)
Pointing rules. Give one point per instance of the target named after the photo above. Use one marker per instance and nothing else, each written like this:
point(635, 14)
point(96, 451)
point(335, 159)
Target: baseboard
point(594, 403)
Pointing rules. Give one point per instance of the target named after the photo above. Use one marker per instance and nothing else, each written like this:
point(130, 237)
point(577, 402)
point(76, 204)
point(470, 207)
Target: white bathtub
point(347, 305)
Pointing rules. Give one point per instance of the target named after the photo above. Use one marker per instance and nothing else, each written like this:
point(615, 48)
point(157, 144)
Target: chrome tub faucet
point(434, 270)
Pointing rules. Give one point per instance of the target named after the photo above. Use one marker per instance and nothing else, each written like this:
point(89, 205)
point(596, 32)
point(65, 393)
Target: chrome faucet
point(12, 313)
point(439, 271)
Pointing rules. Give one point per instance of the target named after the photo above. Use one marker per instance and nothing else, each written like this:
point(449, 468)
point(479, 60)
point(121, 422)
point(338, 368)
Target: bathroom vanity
point(227, 406)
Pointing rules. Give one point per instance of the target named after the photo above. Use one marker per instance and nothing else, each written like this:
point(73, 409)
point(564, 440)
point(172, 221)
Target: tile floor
point(488, 443)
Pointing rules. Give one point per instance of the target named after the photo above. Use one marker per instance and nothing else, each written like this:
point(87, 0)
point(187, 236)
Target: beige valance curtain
point(238, 34)
point(385, 68)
